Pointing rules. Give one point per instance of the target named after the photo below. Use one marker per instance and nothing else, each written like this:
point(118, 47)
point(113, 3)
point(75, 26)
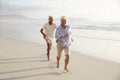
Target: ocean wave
point(98, 27)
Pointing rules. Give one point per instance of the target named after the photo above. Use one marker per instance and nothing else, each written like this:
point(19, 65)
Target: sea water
point(100, 40)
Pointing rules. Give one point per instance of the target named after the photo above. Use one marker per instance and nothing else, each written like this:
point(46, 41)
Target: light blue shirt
point(60, 31)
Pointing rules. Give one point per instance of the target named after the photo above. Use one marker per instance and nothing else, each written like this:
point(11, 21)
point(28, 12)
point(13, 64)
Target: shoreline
point(27, 61)
point(74, 51)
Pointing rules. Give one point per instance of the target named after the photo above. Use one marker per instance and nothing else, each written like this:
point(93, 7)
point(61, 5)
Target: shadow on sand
point(24, 60)
point(23, 70)
point(29, 76)
point(21, 58)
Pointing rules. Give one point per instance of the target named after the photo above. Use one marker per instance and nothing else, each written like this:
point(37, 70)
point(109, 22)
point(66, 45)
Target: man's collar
point(63, 27)
point(50, 24)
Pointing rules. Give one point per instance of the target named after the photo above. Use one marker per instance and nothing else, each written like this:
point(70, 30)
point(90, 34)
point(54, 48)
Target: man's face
point(50, 20)
point(63, 22)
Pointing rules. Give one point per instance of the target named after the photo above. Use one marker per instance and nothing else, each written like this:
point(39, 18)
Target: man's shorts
point(49, 40)
point(60, 48)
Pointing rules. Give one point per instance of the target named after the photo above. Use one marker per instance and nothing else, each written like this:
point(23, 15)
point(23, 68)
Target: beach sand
point(21, 60)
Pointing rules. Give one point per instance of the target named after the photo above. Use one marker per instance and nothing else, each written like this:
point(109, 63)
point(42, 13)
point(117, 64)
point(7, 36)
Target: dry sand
point(20, 60)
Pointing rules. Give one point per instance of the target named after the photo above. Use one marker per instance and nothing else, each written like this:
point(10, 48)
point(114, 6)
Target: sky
point(95, 10)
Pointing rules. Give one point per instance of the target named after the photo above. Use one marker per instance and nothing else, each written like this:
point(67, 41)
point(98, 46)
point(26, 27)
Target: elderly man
point(63, 36)
point(48, 34)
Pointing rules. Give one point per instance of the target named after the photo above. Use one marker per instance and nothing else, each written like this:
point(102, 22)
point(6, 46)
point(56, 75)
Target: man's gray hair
point(63, 18)
point(50, 16)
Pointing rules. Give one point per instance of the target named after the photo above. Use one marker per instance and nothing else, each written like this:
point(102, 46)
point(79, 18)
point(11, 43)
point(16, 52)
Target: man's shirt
point(50, 29)
point(60, 31)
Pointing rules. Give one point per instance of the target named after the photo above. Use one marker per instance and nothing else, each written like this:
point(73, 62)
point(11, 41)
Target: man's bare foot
point(66, 69)
point(57, 65)
point(48, 57)
point(58, 59)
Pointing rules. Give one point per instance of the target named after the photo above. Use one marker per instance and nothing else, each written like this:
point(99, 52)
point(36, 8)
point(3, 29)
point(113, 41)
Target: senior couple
point(63, 38)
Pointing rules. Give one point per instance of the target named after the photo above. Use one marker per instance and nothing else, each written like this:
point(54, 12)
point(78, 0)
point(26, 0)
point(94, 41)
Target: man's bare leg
point(58, 60)
point(49, 45)
point(66, 63)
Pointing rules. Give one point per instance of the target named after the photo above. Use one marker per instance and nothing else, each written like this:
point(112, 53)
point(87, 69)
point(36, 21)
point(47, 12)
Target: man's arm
point(57, 34)
point(44, 35)
point(67, 34)
point(64, 36)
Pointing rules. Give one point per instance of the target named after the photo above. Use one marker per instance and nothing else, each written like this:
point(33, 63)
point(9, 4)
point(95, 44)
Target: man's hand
point(64, 36)
point(72, 40)
point(44, 36)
